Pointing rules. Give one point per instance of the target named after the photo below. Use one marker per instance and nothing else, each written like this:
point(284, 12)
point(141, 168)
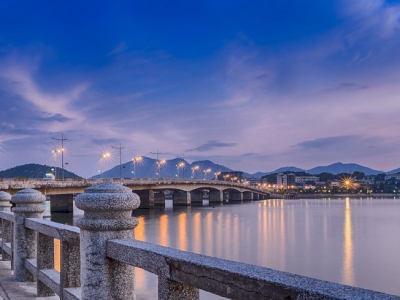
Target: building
point(254, 180)
point(396, 177)
point(304, 179)
point(230, 176)
point(369, 179)
point(285, 180)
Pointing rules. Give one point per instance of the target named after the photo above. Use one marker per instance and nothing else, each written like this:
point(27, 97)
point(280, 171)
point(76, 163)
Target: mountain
point(258, 174)
point(339, 167)
point(35, 171)
point(394, 171)
point(285, 169)
point(148, 168)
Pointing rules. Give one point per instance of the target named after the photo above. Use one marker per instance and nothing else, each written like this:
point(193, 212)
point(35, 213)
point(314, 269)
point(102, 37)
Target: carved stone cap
point(107, 197)
point(28, 201)
point(5, 199)
point(4, 196)
point(28, 196)
point(108, 207)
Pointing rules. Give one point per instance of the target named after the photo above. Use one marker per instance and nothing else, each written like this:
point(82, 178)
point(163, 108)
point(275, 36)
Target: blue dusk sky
point(252, 85)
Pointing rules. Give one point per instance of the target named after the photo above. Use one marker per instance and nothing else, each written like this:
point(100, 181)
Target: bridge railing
point(43, 184)
point(109, 252)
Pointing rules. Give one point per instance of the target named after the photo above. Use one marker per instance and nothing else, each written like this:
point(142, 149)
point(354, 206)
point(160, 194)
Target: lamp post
point(159, 163)
point(205, 172)
point(179, 166)
point(55, 163)
point(120, 160)
point(62, 152)
point(103, 156)
point(135, 160)
point(193, 170)
point(55, 152)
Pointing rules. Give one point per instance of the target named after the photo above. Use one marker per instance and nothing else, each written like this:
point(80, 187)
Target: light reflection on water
point(350, 241)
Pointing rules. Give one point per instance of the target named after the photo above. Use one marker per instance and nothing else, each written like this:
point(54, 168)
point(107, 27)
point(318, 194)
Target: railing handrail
point(231, 279)
point(53, 229)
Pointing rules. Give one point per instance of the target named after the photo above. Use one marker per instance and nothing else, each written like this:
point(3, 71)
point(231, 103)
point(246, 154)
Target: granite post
point(6, 232)
point(28, 205)
point(107, 210)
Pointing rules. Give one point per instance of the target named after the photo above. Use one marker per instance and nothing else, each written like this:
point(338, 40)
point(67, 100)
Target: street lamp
point(159, 164)
point(103, 156)
point(205, 172)
point(194, 169)
point(55, 152)
point(179, 166)
point(135, 160)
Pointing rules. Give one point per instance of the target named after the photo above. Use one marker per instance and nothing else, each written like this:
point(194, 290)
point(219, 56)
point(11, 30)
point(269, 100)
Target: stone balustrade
point(98, 258)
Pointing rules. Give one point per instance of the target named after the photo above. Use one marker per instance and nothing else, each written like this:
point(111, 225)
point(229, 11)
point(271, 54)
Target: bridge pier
point(196, 197)
point(248, 196)
point(146, 198)
point(159, 198)
point(256, 196)
point(216, 196)
point(181, 198)
point(62, 203)
point(236, 196)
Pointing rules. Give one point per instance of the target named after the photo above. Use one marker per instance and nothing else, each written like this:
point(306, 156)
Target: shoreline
point(337, 196)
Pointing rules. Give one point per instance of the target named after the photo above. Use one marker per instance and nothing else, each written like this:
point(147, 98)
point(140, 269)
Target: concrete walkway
point(12, 290)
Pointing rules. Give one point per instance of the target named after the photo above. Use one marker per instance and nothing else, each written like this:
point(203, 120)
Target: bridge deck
point(12, 290)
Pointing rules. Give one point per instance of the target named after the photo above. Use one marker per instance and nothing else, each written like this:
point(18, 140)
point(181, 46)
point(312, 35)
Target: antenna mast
point(120, 162)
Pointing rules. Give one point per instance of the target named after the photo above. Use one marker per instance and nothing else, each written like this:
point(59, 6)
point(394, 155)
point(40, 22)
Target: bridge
point(152, 192)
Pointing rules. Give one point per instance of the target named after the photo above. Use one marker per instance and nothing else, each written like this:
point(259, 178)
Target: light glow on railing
point(57, 254)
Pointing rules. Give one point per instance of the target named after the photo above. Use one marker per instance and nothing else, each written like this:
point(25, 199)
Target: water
point(350, 241)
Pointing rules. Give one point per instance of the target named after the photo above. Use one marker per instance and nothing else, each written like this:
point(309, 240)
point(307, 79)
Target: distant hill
point(147, 168)
point(35, 171)
point(339, 167)
point(258, 174)
point(394, 171)
point(285, 169)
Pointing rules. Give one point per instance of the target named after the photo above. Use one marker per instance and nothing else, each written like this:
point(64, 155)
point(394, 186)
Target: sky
point(252, 85)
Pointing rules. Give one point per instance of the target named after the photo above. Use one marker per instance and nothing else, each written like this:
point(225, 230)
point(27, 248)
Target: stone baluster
point(28, 205)
point(107, 210)
point(6, 231)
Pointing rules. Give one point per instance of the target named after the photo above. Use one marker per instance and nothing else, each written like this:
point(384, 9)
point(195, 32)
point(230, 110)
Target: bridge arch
point(232, 194)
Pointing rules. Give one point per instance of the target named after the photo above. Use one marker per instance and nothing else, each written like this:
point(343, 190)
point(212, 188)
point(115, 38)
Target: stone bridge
point(152, 192)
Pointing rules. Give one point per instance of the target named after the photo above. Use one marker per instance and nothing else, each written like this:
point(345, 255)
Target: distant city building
point(254, 181)
point(285, 180)
point(369, 179)
point(230, 176)
point(304, 179)
point(335, 184)
point(392, 176)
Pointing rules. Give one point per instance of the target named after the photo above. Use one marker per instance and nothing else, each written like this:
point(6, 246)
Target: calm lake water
point(350, 241)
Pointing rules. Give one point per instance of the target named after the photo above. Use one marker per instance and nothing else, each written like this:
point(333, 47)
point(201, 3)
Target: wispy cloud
point(327, 142)
point(378, 16)
point(211, 145)
point(119, 48)
point(19, 76)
